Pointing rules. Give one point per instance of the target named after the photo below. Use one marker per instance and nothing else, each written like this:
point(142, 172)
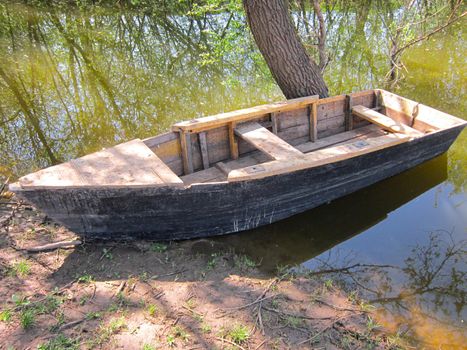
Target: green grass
point(170, 340)
point(20, 269)
point(152, 310)
point(158, 247)
point(5, 316)
point(244, 263)
point(179, 332)
point(293, 321)
point(61, 342)
point(27, 318)
point(85, 279)
point(148, 347)
point(205, 328)
point(238, 334)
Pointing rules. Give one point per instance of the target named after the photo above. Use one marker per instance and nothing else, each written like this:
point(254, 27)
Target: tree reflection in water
point(424, 298)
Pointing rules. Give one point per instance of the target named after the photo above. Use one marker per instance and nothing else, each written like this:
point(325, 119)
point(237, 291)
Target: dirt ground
point(149, 295)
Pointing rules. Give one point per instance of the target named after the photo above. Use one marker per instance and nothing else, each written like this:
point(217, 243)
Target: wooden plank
point(348, 113)
point(233, 144)
point(325, 156)
point(128, 164)
point(313, 110)
point(274, 123)
point(383, 121)
point(202, 176)
point(218, 120)
point(338, 138)
point(158, 139)
point(187, 154)
point(266, 141)
point(203, 145)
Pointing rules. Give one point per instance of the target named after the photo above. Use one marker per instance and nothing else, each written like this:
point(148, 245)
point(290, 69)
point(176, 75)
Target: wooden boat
point(240, 170)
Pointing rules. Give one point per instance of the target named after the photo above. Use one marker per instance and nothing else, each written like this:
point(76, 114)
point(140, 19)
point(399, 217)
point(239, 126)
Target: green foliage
point(158, 247)
point(239, 334)
point(244, 263)
point(61, 342)
point(5, 316)
point(27, 318)
point(152, 310)
point(85, 279)
point(179, 332)
point(170, 339)
point(148, 347)
point(20, 268)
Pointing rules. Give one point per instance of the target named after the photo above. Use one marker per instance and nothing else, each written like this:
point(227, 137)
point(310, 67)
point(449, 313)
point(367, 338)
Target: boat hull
point(171, 213)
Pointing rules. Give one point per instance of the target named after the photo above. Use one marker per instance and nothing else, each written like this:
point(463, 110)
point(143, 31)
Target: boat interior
point(253, 143)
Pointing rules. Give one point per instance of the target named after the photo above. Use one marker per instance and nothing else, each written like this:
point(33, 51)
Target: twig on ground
point(55, 245)
point(230, 342)
point(120, 289)
point(71, 324)
point(261, 344)
point(296, 315)
point(167, 274)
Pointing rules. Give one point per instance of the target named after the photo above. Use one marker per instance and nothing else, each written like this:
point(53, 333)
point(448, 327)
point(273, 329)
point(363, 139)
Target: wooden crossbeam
point(383, 121)
point(266, 141)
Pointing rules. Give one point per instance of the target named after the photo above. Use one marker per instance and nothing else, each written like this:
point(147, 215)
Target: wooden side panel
point(367, 99)
point(218, 144)
point(167, 148)
point(292, 118)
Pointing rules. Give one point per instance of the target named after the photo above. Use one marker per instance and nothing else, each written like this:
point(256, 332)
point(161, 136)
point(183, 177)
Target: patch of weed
point(238, 334)
point(5, 316)
point(158, 247)
point(61, 342)
point(244, 263)
point(20, 269)
point(27, 318)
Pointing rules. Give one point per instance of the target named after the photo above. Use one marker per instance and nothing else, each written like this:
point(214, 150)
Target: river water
point(74, 80)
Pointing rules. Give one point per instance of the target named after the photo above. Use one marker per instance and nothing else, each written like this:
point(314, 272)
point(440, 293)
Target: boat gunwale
point(172, 135)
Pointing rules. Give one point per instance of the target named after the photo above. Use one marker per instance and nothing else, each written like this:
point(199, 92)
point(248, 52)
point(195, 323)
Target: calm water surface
point(73, 81)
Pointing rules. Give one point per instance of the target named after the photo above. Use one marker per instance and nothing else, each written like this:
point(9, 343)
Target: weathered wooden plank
point(348, 113)
point(317, 158)
point(214, 121)
point(338, 138)
point(266, 141)
point(187, 153)
point(128, 164)
point(297, 117)
point(313, 113)
point(233, 141)
point(202, 176)
point(384, 121)
point(162, 138)
point(274, 123)
point(204, 149)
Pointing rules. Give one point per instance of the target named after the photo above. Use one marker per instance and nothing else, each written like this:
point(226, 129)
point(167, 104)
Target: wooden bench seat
point(127, 164)
point(383, 121)
point(324, 156)
point(265, 141)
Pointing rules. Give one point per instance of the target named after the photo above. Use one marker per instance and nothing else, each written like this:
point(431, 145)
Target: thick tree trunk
point(294, 71)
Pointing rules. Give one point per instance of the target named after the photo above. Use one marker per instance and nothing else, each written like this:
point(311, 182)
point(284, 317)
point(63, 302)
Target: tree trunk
point(294, 71)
